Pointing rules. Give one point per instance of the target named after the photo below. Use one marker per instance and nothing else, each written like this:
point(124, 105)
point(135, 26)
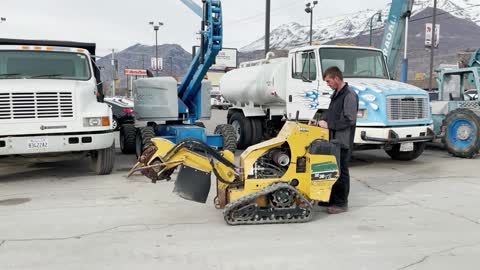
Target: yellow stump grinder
point(277, 181)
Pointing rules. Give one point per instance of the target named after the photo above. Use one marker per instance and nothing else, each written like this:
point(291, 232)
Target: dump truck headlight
point(96, 121)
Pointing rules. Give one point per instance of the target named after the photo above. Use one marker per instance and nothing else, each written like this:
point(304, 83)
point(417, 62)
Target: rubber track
point(248, 198)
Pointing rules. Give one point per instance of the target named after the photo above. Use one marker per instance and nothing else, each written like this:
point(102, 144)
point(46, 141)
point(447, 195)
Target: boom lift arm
point(210, 45)
point(393, 35)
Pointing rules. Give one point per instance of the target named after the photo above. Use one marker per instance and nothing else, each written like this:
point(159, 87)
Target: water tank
point(259, 83)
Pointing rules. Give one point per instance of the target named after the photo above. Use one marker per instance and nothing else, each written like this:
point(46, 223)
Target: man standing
point(340, 119)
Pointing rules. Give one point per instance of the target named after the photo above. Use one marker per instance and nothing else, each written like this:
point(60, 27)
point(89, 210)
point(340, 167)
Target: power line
point(445, 12)
point(418, 19)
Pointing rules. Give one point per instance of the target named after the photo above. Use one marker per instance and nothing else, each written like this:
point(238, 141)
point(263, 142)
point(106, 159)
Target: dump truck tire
point(104, 160)
point(396, 154)
point(257, 128)
point(243, 129)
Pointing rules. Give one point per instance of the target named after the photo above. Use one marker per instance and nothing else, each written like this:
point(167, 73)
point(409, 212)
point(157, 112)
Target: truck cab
point(392, 115)
point(51, 104)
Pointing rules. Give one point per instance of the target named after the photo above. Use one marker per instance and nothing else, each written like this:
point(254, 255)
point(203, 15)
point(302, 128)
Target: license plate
point(406, 147)
point(38, 143)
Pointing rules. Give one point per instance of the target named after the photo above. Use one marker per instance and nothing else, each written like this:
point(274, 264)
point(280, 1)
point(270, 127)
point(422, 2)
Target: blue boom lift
point(396, 31)
point(165, 109)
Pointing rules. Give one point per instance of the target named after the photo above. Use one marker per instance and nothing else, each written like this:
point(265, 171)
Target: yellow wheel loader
point(277, 181)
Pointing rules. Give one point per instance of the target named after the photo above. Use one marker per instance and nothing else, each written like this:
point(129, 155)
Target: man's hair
point(333, 72)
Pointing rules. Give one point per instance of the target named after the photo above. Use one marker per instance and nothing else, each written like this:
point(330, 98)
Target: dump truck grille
point(36, 105)
point(407, 108)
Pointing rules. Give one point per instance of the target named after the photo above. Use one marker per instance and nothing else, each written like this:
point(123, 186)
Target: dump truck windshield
point(44, 65)
point(355, 63)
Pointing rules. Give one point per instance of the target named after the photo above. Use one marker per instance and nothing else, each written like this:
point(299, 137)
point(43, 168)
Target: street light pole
point(155, 28)
point(267, 27)
point(379, 13)
point(309, 9)
point(432, 46)
point(114, 73)
point(311, 23)
point(156, 49)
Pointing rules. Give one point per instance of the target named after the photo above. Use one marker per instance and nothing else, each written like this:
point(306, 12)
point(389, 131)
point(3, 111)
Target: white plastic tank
point(259, 83)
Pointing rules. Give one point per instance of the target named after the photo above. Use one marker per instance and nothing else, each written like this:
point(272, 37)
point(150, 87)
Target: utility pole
point(113, 72)
point(155, 28)
point(267, 27)
point(127, 77)
point(309, 9)
point(432, 47)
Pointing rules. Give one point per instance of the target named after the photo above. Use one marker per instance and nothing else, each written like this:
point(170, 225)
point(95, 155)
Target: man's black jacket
point(342, 116)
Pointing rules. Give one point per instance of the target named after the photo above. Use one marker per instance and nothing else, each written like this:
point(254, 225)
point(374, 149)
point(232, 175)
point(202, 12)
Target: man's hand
point(312, 122)
point(323, 124)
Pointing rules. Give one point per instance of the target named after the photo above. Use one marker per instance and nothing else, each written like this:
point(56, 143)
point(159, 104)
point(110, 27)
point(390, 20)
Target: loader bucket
point(192, 184)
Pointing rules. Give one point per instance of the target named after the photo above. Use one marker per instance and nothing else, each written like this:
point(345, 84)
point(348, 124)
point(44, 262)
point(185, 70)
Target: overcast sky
point(120, 24)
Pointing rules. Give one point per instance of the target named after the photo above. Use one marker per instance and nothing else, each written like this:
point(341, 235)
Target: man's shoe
point(336, 209)
point(324, 204)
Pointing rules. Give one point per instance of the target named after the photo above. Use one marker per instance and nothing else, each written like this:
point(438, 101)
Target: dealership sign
point(226, 58)
point(136, 72)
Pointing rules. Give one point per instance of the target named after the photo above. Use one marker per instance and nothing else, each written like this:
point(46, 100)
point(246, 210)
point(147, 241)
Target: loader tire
point(104, 160)
point(396, 154)
point(127, 138)
point(143, 139)
point(243, 129)
point(462, 133)
point(229, 137)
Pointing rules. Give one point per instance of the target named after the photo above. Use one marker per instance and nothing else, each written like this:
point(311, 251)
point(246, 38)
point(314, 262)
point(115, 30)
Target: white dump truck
point(51, 103)
point(392, 115)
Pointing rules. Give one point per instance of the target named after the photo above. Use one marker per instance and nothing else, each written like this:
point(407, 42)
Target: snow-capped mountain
point(293, 34)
